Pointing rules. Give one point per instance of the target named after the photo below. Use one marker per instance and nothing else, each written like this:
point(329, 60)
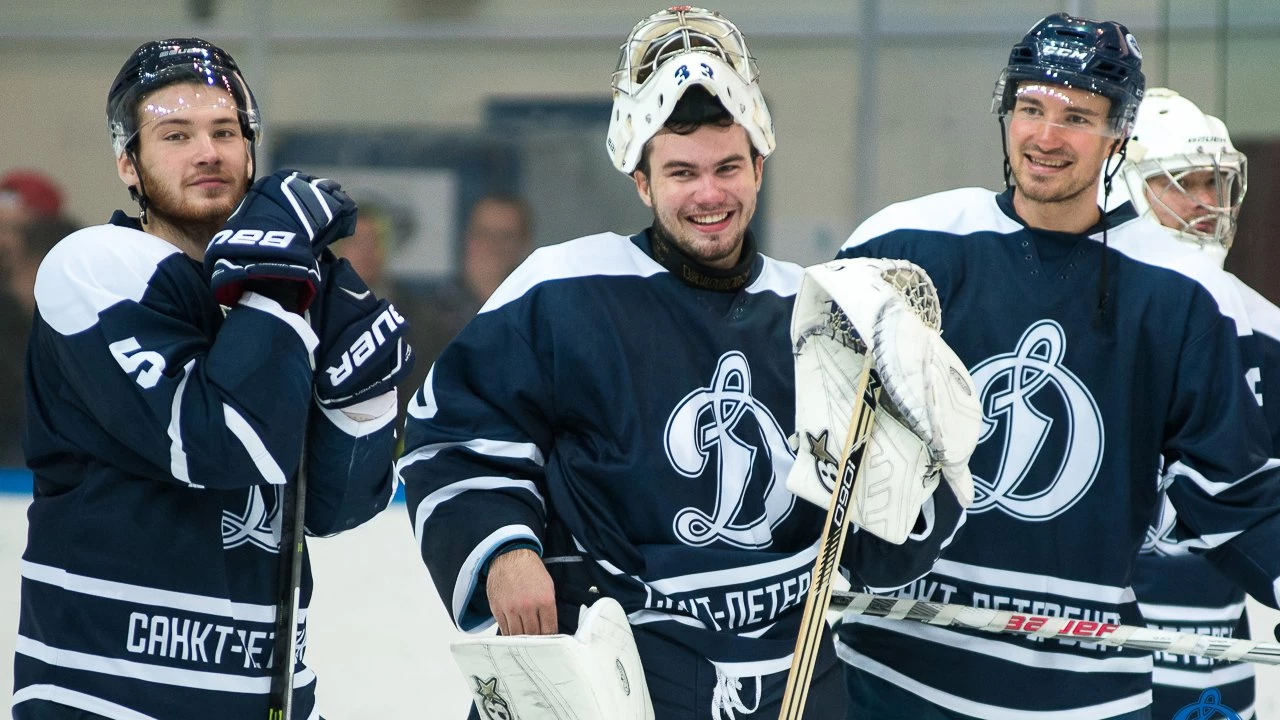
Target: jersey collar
point(1121, 214)
point(695, 274)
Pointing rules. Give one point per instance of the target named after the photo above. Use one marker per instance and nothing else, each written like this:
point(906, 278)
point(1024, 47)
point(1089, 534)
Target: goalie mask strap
point(695, 274)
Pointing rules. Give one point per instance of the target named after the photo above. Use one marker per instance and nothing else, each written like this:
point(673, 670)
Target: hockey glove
point(363, 352)
point(275, 235)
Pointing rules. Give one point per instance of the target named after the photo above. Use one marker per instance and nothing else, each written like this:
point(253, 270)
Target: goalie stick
point(293, 505)
point(1008, 621)
point(835, 529)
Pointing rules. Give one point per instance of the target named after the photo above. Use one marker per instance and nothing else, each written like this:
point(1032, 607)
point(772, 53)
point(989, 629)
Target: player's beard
point(1056, 193)
point(692, 250)
point(167, 205)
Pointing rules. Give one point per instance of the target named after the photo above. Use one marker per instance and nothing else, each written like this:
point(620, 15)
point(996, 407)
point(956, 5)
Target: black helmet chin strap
point(1118, 152)
point(1004, 146)
point(138, 192)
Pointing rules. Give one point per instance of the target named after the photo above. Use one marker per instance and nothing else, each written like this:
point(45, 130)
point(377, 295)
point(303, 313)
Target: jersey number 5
point(1254, 378)
point(131, 357)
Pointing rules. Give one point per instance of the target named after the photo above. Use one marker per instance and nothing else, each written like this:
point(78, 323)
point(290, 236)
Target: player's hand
point(363, 352)
point(276, 234)
point(521, 594)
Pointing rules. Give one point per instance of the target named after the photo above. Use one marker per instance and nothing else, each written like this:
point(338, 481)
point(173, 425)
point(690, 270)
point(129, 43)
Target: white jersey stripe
point(1031, 583)
point(78, 700)
point(1192, 679)
point(444, 494)
point(480, 446)
point(123, 592)
point(258, 452)
point(199, 679)
point(177, 452)
point(734, 576)
point(983, 710)
point(1165, 612)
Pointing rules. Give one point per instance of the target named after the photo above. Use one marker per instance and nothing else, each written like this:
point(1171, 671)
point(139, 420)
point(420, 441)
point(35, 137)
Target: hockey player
point(1097, 349)
point(1183, 174)
point(163, 429)
point(613, 423)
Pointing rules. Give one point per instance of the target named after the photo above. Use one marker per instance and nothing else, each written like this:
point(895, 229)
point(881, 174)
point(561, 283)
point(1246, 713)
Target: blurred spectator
point(29, 242)
point(498, 237)
point(368, 246)
point(24, 196)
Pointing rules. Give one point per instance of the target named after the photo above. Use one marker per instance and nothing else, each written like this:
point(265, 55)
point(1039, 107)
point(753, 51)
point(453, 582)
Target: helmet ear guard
point(665, 55)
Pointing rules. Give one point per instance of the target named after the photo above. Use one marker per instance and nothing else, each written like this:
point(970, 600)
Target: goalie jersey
point(633, 429)
point(1078, 412)
point(160, 435)
point(1183, 592)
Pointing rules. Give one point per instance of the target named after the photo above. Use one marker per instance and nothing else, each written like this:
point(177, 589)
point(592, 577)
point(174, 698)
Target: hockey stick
point(835, 530)
point(1008, 621)
point(284, 654)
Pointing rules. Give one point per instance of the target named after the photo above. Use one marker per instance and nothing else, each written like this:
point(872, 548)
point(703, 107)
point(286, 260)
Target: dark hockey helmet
point(1095, 55)
point(161, 63)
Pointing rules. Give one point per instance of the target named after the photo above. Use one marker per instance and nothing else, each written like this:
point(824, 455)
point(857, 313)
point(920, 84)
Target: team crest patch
point(1044, 425)
point(721, 429)
point(491, 704)
point(824, 462)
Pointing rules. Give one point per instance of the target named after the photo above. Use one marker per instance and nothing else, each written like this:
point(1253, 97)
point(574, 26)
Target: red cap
point(34, 191)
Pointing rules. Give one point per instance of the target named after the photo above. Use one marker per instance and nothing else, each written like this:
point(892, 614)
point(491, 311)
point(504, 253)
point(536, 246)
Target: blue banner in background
point(15, 481)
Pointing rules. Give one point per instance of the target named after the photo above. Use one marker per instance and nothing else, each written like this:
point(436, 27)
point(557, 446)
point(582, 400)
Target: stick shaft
point(289, 595)
point(835, 530)
point(1007, 621)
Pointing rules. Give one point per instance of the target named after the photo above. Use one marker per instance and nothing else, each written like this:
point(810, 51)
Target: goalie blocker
point(848, 313)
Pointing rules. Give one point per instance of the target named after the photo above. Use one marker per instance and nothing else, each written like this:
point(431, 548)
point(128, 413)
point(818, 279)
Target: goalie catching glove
point(851, 312)
point(593, 674)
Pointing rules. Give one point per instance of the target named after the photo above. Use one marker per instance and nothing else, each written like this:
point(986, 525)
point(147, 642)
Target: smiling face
point(192, 156)
point(702, 187)
point(1059, 138)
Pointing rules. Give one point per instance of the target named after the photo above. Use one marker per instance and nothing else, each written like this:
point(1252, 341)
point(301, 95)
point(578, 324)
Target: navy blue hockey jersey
point(634, 430)
point(1183, 592)
point(160, 434)
point(1077, 413)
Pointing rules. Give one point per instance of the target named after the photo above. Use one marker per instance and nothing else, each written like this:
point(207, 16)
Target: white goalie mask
point(666, 54)
point(1183, 173)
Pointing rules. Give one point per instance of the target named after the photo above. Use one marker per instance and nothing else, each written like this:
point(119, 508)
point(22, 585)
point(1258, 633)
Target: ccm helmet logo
point(267, 238)
point(1064, 51)
point(366, 345)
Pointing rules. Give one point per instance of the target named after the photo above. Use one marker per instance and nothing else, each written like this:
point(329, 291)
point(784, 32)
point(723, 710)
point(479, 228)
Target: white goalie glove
point(849, 312)
point(595, 673)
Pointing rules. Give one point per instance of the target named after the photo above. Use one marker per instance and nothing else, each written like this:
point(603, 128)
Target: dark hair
point(696, 108)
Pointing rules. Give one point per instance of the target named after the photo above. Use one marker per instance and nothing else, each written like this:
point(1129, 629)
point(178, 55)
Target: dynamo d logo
point(1048, 423)
point(1208, 707)
point(725, 425)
